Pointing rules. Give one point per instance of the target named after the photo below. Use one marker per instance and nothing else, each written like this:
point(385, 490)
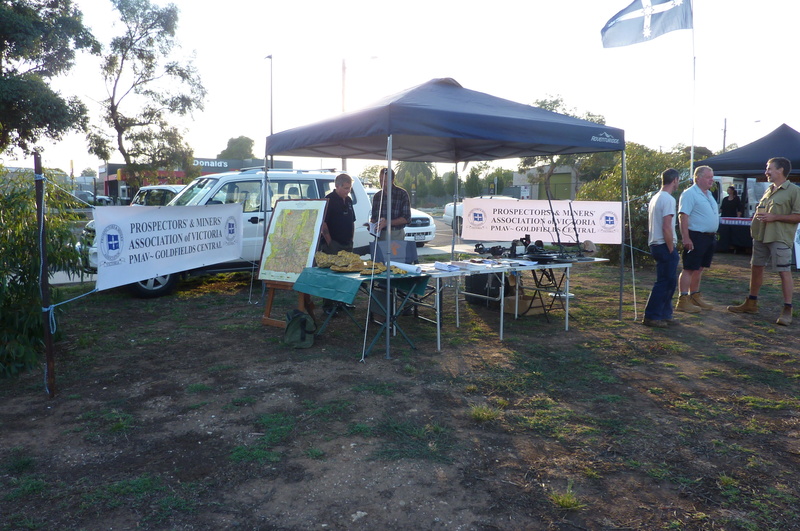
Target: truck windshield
point(194, 193)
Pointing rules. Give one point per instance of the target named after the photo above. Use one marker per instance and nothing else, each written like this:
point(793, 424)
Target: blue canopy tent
point(440, 121)
point(751, 160)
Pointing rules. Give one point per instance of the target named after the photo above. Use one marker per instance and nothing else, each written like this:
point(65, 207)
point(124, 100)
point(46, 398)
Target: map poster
point(291, 239)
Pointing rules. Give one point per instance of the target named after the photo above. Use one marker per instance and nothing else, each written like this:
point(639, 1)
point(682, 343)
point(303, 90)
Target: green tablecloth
point(343, 287)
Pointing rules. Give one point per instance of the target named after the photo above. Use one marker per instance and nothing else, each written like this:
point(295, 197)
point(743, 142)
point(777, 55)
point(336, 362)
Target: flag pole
point(694, 94)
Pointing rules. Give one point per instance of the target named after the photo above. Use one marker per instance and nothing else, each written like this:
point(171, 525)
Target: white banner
point(137, 243)
point(504, 220)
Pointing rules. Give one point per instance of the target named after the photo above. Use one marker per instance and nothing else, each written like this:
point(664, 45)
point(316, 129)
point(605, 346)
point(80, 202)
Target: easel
point(272, 262)
point(303, 303)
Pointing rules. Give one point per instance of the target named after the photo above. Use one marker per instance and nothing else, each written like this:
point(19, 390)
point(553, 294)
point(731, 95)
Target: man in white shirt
point(663, 242)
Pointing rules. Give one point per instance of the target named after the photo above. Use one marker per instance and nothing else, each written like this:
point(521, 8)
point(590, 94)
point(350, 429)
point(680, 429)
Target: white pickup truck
point(245, 187)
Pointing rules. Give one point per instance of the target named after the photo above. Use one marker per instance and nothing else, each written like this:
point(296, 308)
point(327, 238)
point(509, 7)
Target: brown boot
point(697, 300)
point(786, 316)
point(685, 305)
point(748, 306)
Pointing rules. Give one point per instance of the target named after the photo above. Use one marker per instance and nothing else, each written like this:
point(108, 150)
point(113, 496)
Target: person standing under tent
point(773, 229)
point(340, 217)
point(731, 206)
point(699, 221)
point(398, 215)
point(663, 242)
point(338, 227)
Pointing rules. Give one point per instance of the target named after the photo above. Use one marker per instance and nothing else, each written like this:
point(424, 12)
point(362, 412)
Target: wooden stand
point(303, 303)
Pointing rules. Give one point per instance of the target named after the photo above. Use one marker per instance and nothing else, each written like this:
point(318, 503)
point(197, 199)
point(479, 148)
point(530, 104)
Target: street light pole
point(271, 157)
point(344, 70)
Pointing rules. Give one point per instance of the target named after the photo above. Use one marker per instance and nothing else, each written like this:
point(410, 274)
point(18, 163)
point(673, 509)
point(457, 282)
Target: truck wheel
point(457, 223)
point(154, 287)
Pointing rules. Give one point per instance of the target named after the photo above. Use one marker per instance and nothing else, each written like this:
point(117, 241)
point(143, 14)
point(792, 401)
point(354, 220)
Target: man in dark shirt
point(339, 223)
point(400, 212)
point(338, 226)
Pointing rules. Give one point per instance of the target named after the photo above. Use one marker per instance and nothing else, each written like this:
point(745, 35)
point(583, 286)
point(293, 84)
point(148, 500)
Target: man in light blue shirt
point(699, 221)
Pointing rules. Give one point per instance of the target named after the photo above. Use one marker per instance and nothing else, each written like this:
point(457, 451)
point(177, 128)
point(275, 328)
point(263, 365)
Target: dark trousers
point(659, 304)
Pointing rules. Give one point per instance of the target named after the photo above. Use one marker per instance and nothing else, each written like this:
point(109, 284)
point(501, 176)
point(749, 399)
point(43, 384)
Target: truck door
point(248, 193)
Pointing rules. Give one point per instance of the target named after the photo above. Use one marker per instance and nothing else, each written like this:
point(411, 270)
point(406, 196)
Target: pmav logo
point(230, 230)
point(608, 222)
point(112, 243)
point(476, 217)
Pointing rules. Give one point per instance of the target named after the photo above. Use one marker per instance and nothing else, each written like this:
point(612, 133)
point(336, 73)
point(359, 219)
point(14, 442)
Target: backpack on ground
point(299, 331)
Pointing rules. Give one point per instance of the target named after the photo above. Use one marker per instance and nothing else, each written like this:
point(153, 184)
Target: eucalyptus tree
point(148, 86)
point(38, 41)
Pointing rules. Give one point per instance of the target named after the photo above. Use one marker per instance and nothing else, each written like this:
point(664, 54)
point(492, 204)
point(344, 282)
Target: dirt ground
point(187, 413)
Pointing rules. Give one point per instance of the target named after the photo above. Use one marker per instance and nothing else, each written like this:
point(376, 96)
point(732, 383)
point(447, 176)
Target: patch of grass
point(409, 440)
point(566, 500)
point(25, 487)
point(109, 421)
point(701, 409)
point(326, 410)
point(198, 388)
point(257, 453)
point(276, 427)
point(556, 422)
point(364, 430)
point(589, 472)
point(757, 402)
point(499, 402)
point(314, 453)
point(483, 413)
point(18, 462)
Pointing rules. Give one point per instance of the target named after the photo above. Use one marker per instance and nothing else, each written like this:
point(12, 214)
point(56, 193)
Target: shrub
point(21, 332)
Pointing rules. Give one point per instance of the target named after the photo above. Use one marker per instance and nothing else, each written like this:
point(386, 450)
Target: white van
point(247, 187)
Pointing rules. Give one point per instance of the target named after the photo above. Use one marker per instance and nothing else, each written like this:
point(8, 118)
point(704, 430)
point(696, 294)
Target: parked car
point(89, 197)
point(156, 194)
point(420, 229)
point(245, 187)
point(456, 220)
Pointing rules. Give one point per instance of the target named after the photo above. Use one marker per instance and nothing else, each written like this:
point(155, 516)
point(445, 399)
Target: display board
point(291, 240)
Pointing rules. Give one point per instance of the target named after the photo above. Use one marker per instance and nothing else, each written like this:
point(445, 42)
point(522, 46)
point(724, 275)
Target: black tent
point(751, 160)
point(440, 121)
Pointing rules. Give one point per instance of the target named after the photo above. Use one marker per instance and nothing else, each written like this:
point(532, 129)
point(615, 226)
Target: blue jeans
point(659, 304)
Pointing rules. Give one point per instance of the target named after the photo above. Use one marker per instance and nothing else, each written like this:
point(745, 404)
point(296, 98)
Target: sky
point(732, 78)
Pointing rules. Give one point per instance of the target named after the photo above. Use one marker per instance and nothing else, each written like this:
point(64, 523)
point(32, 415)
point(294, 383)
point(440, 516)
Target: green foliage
point(504, 178)
point(21, 332)
point(473, 186)
point(38, 39)
point(369, 175)
point(436, 188)
point(238, 148)
point(644, 167)
point(415, 170)
point(146, 87)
